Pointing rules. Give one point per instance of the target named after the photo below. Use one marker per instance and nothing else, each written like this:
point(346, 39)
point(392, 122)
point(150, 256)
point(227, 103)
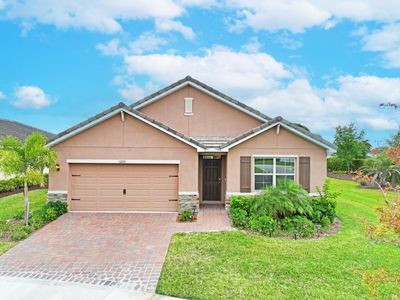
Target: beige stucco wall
point(269, 143)
point(129, 140)
point(211, 117)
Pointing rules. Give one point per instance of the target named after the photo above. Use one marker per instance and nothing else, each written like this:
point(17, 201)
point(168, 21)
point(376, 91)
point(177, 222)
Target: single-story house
point(182, 146)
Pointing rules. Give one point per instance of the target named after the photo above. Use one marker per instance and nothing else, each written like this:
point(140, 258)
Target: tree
point(394, 140)
point(351, 144)
point(27, 160)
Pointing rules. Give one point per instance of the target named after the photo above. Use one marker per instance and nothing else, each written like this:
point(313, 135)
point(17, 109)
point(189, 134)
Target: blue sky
point(319, 63)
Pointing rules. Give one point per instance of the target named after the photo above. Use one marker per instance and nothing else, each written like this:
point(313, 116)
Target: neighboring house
point(19, 130)
point(184, 145)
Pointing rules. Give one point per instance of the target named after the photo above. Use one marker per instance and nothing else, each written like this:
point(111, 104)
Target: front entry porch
point(212, 179)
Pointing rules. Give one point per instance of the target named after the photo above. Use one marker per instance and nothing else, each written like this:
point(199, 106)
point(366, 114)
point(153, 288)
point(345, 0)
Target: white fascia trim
point(271, 126)
point(123, 161)
point(204, 91)
point(113, 113)
point(57, 192)
point(188, 193)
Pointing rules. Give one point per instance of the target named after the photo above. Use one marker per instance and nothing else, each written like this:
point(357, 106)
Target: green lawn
point(10, 205)
point(233, 265)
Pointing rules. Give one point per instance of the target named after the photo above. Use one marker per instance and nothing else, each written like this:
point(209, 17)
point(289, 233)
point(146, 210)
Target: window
point(188, 106)
point(269, 170)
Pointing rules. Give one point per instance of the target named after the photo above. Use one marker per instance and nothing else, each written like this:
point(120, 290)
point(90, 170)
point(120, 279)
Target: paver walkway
point(124, 250)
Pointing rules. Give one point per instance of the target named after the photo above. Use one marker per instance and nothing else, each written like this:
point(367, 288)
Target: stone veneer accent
point(189, 202)
point(57, 197)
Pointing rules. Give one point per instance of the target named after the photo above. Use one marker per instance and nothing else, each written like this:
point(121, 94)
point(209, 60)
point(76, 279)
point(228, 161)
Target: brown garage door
point(107, 187)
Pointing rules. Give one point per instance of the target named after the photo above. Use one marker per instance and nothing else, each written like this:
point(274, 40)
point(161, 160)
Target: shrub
point(339, 165)
point(300, 226)
point(12, 184)
point(241, 202)
point(324, 206)
point(49, 212)
point(264, 224)
point(239, 209)
point(185, 215)
point(18, 235)
point(19, 215)
point(238, 217)
point(286, 199)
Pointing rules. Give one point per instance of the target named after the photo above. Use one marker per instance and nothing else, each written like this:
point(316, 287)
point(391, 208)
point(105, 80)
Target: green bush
point(336, 164)
point(285, 200)
point(49, 212)
point(239, 217)
point(264, 224)
point(324, 205)
point(300, 226)
point(185, 215)
point(18, 235)
point(12, 184)
point(284, 209)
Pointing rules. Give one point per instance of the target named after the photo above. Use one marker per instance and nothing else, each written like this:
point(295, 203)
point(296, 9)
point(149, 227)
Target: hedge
point(336, 164)
point(12, 184)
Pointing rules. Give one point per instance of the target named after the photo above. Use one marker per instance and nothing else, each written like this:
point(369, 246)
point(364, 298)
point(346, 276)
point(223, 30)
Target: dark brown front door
point(212, 180)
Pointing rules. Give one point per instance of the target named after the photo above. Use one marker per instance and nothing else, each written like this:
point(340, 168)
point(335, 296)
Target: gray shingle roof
point(19, 130)
point(207, 87)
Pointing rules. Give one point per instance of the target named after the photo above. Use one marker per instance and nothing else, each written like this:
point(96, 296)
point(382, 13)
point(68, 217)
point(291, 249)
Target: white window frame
point(188, 106)
point(274, 174)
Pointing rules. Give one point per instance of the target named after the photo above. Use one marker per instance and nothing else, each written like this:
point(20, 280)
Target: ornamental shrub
point(285, 200)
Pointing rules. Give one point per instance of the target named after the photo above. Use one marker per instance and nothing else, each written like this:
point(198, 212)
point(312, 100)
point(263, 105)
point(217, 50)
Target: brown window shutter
point(245, 174)
point(304, 173)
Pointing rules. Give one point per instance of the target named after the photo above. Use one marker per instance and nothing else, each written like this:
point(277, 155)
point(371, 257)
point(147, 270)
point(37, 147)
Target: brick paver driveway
point(125, 250)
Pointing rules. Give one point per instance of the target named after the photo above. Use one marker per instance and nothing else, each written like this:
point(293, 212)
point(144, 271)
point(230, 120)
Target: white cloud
point(103, 15)
point(298, 15)
point(31, 97)
point(2, 95)
point(252, 46)
point(166, 25)
point(265, 83)
point(146, 42)
point(111, 48)
point(386, 41)
point(250, 73)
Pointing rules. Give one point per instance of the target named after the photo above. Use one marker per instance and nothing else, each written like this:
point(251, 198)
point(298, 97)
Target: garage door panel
point(145, 206)
point(148, 187)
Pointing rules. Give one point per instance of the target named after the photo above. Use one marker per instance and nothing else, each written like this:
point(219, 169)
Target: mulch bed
point(20, 190)
point(194, 219)
point(335, 227)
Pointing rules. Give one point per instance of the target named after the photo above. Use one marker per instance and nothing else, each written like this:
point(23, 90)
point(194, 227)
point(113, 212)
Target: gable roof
point(114, 110)
point(204, 88)
point(19, 130)
point(279, 121)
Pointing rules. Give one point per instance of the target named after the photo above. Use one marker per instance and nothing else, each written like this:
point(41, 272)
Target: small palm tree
point(382, 169)
point(27, 160)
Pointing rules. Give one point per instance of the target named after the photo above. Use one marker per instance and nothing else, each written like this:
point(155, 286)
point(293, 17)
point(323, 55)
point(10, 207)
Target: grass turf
point(11, 205)
point(233, 265)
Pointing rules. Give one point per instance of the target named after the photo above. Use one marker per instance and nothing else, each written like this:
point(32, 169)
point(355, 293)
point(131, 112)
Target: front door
point(211, 179)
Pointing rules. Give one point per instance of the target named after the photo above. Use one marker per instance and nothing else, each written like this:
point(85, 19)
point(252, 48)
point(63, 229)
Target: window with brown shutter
point(304, 172)
point(245, 174)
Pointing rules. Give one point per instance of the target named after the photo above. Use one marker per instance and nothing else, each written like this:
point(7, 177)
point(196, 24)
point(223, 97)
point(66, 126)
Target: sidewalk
point(35, 289)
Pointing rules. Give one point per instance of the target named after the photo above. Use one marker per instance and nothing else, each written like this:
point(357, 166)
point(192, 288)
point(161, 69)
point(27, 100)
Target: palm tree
point(26, 159)
point(382, 169)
